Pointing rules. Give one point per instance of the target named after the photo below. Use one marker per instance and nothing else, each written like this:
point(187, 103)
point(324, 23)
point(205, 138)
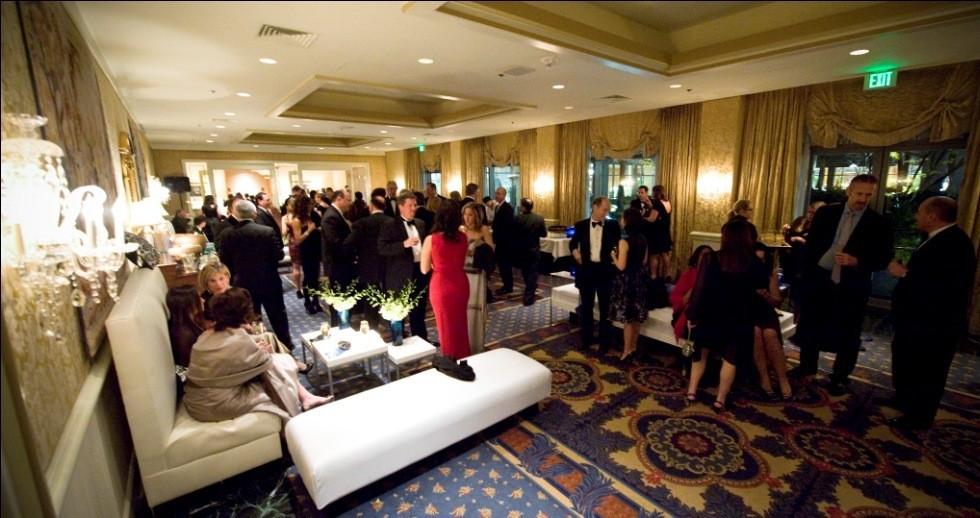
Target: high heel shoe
point(628, 356)
point(690, 398)
point(316, 306)
point(310, 308)
point(719, 407)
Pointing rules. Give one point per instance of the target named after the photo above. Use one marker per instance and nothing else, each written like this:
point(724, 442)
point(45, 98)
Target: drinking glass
point(324, 330)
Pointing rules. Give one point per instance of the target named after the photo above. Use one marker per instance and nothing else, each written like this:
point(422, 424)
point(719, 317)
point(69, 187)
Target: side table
point(413, 349)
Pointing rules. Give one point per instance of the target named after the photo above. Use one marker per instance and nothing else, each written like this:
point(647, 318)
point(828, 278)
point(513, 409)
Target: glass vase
point(344, 315)
point(395, 326)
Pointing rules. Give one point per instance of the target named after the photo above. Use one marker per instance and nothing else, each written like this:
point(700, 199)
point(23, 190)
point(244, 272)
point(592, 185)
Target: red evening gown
point(449, 293)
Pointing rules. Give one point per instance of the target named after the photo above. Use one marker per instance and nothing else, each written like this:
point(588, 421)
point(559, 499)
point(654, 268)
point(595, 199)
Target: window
point(508, 177)
point(907, 173)
point(433, 177)
point(618, 180)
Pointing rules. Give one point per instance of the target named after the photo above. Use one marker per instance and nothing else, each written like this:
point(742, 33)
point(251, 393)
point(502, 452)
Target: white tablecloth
point(556, 246)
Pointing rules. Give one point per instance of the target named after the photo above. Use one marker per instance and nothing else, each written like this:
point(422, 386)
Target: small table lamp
point(145, 218)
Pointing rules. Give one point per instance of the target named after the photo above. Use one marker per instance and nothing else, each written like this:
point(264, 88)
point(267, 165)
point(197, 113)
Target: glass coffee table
point(364, 347)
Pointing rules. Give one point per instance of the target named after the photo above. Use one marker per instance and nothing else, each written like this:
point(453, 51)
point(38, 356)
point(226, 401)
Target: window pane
point(433, 177)
point(830, 174)
point(618, 180)
point(507, 177)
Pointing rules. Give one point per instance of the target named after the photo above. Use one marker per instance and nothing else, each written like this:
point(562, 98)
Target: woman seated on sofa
point(186, 322)
point(230, 374)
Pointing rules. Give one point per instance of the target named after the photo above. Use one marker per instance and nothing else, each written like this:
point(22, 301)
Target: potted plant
point(341, 298)
point(394, 306)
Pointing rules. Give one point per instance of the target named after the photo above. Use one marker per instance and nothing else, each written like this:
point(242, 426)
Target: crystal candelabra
point(41, 238)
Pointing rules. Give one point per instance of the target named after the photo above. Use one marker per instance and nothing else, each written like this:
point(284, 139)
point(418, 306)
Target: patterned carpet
point(616, 439)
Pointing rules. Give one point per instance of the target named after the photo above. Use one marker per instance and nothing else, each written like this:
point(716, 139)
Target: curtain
point(772, 148)
point(432, 159)
point(473, 161)
point(939, 99)
point(571, 171)
point(681, 130)
point(504, 149)
point(969, 207)
point(623, 136)
point(413, 175)
point(527, 153)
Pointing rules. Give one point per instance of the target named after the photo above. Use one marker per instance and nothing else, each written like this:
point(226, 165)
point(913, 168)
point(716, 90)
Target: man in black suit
point(592, 246)
point(391, 200)
point(929, 310)
point(181, 222)
point(263, 216)
point(338, 266)
point(530, 229)
point(847, 243)
point(400, 243)
point(471, 190)
point(503, 238)
point(252, 253)
point(228, 222)
point(363, 244)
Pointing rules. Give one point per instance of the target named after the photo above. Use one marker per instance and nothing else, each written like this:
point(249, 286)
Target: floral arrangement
point(340, 298)
point(392, 305)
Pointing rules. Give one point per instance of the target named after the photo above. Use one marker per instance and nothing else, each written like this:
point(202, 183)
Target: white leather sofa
point(341, 447)
point(176, 454)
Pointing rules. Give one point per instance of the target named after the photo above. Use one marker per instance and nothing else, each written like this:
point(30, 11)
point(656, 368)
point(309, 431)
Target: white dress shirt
point(417, 247)
point(595, 242)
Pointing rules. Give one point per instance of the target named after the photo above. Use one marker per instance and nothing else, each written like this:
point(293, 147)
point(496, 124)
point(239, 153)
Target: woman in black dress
point(307, 238)
point(655, 211)
point(795, 235)
point(629, 293)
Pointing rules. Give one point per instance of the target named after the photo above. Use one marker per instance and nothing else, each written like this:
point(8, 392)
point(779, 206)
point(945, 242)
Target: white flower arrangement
point(394, 306)
point(341, 299)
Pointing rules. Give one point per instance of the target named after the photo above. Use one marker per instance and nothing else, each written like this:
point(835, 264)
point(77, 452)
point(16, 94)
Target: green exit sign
point(421, 148)
point(879, 80)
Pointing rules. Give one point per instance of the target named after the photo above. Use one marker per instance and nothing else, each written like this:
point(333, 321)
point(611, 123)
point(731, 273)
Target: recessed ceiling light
point(415, 138)
point(384, 131)
point(214, 134)
point(230, 114)
point(859, 52)
point(297, 126)
point(255, 145)
point(426, 61)
point(558, 87)
point(321, 148)
point(569, 107)
point(387, 143)
point(209, 141)
point(220, 127)
point(267, 61)
point(367, 147)
point(243, 94)
point(676, 85)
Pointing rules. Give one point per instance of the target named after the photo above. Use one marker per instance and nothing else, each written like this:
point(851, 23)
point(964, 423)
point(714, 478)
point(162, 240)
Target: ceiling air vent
point(614, 98)
point(287, 36)
point(515, 71)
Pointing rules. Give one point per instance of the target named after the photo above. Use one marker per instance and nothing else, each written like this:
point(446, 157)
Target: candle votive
point(365, 327)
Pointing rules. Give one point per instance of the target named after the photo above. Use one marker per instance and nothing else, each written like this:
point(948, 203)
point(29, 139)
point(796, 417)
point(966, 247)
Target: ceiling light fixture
point(569, 107)
point(859, 52)
point(367, 147)
point(220, 127)
point(297, 126)
point(426, 61)
point(384, 131)
point(255, 145)
point(676, 85)
point(267, 61)
point(230, 114)
point(214, 134)
point(558, 87)
point(243, 94)
point(209, 141)
point(387, 143)
point(415, 138)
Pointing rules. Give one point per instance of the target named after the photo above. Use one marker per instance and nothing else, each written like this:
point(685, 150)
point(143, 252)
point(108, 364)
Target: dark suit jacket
point(871, 243)
point(398, 259)
point(363, 244)
point(391, 206)
point(529, 229)
point(503, 229)
point(610, 238)
point(934, 295)
point(264, 218)
point(222, 226)
point(337, 262)
point(427, 216)
point(252, 252)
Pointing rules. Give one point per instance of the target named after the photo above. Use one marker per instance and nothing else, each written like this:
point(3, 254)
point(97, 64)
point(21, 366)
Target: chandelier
point(40, 224)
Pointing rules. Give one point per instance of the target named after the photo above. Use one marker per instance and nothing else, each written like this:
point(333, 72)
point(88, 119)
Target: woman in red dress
point(444, 252)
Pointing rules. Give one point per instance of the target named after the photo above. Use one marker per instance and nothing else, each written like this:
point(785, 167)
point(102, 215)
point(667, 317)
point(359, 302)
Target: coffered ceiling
point(348, 79)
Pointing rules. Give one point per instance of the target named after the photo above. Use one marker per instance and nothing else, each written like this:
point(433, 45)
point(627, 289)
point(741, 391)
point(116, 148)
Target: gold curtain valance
point(939, 99)
point(431, 159)
point(504, 149)
point(625, 135)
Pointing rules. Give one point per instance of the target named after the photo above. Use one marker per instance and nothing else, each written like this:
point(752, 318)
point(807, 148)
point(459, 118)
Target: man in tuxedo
point(181, 222)
point(530, 229)
point(228, 222)
point(400, 243)
point(252, 253)
point(592, 246)
point(929, 310)
point(391, 200)
point(363, 244)
point(471, 190)
point(337, 263)
point(263, 216)
point(503, 238)
point(847, 243)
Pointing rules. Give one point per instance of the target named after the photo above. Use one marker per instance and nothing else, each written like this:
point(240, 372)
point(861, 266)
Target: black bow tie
point(596, 224)
point(409, 222)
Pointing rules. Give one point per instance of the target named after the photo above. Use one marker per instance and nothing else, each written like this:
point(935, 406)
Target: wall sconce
point(454, 185)
point(544, 185)
point(40, 232)
point(714, 184)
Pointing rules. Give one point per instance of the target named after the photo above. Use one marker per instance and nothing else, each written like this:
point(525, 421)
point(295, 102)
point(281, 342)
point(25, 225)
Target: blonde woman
point(480, 247)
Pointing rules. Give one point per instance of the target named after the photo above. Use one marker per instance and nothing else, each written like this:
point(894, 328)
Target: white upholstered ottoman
point(341, 447)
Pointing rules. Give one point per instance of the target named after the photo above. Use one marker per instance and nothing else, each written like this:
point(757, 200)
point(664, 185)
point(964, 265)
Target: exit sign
point(880, 80)
point(421, 148)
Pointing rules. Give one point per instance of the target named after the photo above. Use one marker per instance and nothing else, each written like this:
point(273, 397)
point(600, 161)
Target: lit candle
point(91, 211)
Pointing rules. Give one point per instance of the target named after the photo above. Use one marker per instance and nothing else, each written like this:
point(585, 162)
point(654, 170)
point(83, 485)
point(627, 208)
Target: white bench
point(346, 445)
point(657, 325)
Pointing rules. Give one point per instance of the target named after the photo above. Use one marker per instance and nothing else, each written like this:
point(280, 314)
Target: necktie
point(410, 222)
point(845, 234)
point(596, 224)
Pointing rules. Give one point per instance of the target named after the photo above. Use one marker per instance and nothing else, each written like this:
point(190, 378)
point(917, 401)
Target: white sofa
point(346, 445)
point(176, 454)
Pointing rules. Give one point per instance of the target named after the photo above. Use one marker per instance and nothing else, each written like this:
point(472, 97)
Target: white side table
point(364, 347)
point(413, 349)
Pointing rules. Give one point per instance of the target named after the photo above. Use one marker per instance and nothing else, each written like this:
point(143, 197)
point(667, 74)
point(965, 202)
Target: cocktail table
point(364, 347)
point(413, 349)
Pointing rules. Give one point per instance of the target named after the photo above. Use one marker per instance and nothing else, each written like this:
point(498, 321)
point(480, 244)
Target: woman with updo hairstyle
point(230, 374)
point(743, 210)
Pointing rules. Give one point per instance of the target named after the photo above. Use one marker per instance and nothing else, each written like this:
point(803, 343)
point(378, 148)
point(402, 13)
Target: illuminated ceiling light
point(214, 134)
point(255, 145)
point(267, 61)
point(220, 127)
point(243, 94)
point(367, 147)
point(676, 85)
point(426, 61)
point(384, 131)
point(569, 107)
point(321, 148)
point(209, 141)
point(230, 114)
point(859, 52)
point(558, 87)
point(297, 126)
point(415, 138)
point(387, 143)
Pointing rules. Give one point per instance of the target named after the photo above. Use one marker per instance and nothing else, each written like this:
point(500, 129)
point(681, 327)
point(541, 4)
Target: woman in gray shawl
point(230, 374)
